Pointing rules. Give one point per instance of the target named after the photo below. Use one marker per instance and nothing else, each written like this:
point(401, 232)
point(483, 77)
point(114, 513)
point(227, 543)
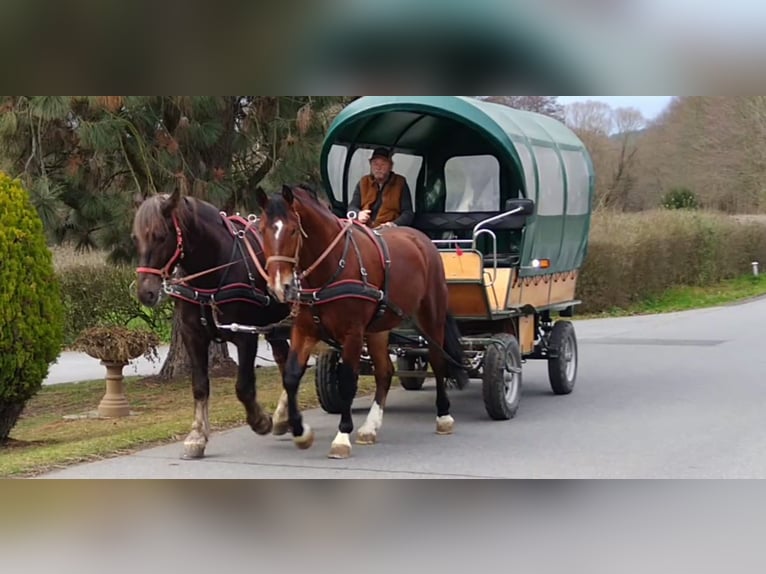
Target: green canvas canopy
point(461, 154)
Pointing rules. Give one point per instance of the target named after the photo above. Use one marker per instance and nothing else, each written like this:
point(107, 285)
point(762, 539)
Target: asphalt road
point(671, 396)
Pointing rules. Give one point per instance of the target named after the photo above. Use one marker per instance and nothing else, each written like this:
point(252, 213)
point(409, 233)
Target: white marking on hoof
point(366, 437)
point(445, 425)
point(280, 429)
point(281, 422)
point(341, 446)
point(194, 446)
point(304, 441)
point(368, 433)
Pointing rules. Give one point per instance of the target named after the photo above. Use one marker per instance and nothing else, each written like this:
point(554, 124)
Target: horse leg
point(257, 418)
point(444, 421)
point(280, 349)
point(377, 343)
point(435, 328)
point(197, 342)
point(300, 350)
point(348, 377)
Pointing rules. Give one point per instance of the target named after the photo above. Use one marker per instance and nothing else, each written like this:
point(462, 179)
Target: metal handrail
point(495, 218)
point(477, 231)
point(494, 252)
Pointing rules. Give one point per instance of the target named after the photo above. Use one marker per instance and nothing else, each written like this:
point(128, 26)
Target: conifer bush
point(31, 311)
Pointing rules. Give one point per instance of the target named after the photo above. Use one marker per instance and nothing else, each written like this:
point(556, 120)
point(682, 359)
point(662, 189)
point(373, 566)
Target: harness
point(179, 288)
point(336, 290)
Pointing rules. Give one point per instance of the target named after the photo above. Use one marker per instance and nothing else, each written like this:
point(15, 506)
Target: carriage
point(506, 197)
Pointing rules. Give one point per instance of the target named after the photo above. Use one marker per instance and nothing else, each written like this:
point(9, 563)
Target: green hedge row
point(631, 257)
point(100, 294)
point(636, 256)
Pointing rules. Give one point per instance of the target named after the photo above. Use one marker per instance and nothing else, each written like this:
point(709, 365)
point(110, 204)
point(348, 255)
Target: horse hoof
point(305, 441)
point(194, 451)
point(280, 428)
point(340, 451)
point(341, 447)
point(263, 426)
point(445, 425)
point(366, 439)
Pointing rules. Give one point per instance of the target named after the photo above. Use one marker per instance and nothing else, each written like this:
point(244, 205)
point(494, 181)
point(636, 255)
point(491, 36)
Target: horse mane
point(278, 207)
point(149, 220)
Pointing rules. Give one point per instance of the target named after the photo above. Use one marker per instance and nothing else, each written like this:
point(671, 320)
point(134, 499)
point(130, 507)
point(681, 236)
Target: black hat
point(383, 152)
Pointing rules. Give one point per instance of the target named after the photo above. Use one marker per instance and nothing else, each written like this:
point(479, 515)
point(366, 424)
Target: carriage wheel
point(416, 363)
point(562, 369)
point(502, 377)
point(326, 382)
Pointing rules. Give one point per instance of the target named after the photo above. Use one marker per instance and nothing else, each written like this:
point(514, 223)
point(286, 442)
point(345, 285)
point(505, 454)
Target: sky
point(650, 106)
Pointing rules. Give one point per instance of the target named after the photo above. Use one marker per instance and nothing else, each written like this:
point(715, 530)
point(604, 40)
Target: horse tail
point(454, 350)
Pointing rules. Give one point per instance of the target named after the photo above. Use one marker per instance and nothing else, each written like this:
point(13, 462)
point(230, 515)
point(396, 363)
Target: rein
point(294, 260)
point(167, 270)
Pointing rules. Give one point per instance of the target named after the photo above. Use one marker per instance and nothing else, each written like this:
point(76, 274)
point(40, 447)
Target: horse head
point(158, 235)
point(286, 220)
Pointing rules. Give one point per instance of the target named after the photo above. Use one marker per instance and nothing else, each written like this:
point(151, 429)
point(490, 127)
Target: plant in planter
point(116, 346)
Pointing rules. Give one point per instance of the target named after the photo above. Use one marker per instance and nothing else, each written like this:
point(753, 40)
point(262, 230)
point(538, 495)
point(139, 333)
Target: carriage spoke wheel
point(501, 386)
point(562, 367)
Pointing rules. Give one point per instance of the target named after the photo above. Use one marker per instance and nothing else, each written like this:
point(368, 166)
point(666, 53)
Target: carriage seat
point(460, 221)
point(437, 225)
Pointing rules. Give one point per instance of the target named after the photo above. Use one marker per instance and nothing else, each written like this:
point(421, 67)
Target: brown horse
point(351, 282)
point(216, 254)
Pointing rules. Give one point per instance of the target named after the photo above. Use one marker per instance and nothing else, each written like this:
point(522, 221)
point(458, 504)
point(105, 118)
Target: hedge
point(637, 256)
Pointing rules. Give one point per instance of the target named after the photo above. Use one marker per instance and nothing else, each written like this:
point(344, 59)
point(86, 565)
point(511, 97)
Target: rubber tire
point(557, 368)
point(493, 384)
point(408, 364)
point(326, 382)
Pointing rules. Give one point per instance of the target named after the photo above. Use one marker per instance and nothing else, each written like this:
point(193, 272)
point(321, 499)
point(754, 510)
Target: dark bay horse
point(351, 283)
point(217, 256)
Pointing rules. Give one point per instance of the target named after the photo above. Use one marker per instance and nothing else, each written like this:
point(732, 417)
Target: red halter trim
point(166, 271)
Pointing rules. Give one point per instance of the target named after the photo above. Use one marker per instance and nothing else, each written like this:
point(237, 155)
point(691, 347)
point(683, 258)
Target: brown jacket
point(392, 206)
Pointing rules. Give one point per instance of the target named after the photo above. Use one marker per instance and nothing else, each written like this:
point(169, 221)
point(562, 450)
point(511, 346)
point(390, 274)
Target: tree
point(612, 137)
point(88, 160)
point(711, 145)
point(547, 105)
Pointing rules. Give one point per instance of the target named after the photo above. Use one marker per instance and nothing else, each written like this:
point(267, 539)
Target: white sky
point(650, 106)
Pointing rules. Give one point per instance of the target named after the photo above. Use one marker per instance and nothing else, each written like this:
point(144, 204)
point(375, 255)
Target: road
point(669, 396)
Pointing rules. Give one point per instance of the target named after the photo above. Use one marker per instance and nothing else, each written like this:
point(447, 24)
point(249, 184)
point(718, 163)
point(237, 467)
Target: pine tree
point(89, 160)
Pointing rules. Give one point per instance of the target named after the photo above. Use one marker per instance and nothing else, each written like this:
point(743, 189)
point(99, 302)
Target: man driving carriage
point(382, 198)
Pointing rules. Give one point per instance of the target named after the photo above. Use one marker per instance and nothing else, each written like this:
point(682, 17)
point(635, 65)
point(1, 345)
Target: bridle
point(299, 244)
point(167, 271)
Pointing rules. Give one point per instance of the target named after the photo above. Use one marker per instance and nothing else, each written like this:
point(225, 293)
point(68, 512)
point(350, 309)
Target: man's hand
point(364, 216)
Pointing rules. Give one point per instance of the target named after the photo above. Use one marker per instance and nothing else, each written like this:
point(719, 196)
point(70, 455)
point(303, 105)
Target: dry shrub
point(117, 344)
point(65, 257)
point(636, 256)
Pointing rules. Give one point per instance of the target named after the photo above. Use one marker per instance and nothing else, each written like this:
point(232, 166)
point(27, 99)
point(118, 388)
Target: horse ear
point(287, 193)
point(171, 203)
point(261, 198)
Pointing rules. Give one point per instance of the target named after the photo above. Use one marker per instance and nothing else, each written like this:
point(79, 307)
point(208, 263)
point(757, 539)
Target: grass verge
point(688, 298)
point(43, 440)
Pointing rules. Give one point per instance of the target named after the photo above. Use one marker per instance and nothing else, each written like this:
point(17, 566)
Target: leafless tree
point(546, 105)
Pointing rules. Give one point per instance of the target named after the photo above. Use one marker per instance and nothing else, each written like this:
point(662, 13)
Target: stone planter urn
point(116, 347)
